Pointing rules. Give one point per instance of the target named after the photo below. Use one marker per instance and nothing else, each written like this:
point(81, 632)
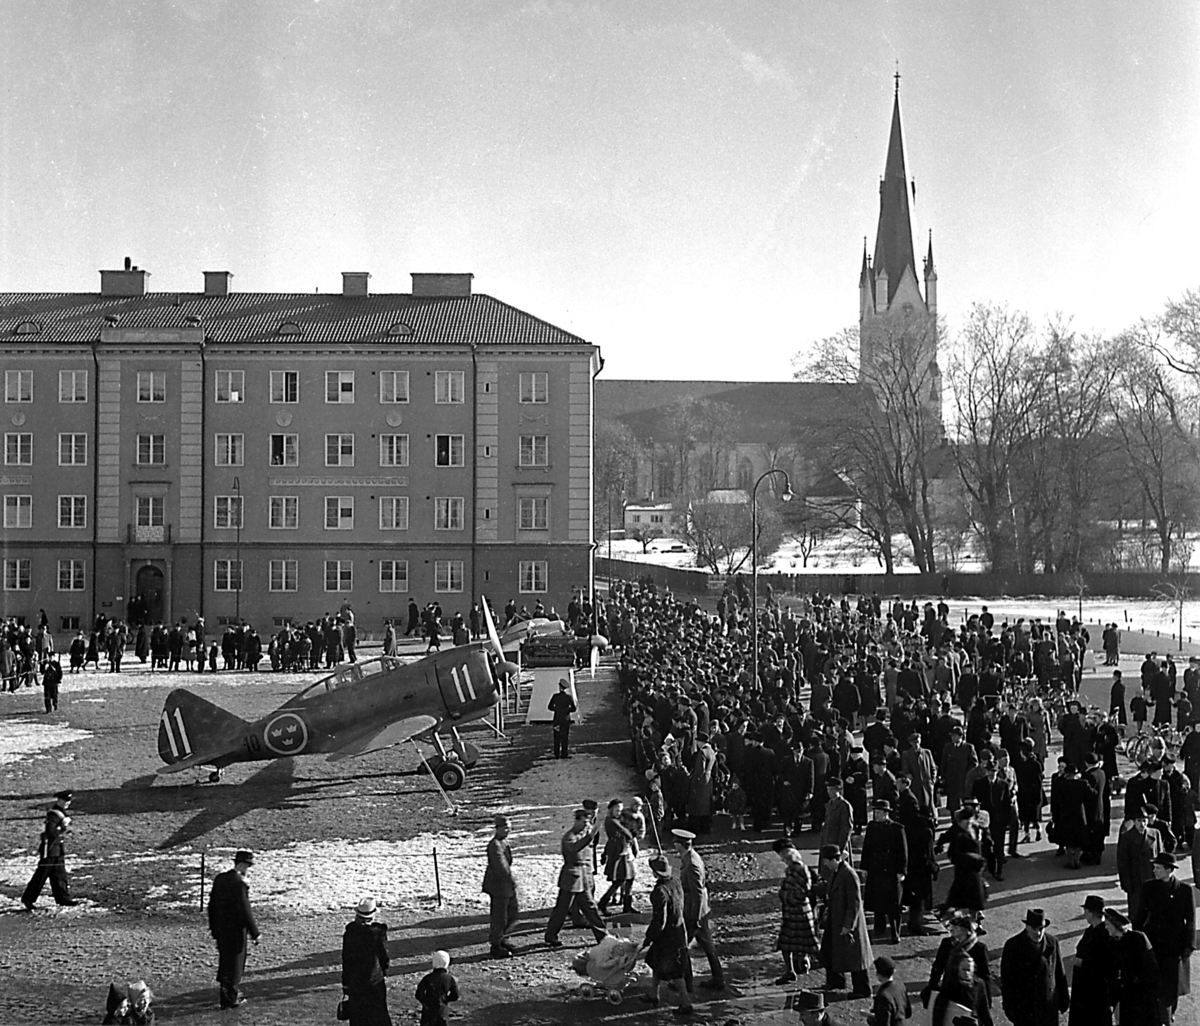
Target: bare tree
point(613, 468)
point(720, 532)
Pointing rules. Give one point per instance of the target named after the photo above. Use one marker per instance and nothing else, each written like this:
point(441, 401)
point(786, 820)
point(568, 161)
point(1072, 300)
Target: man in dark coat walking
point(231, 921)
point(52, 856)
point(501, 888)
point(1032, 979)
point(1095, 810)
point(1133, 985)
point(562, 705)
point(884, 861)
point(365, 962)
point(1093, 969)
point(1167, 916)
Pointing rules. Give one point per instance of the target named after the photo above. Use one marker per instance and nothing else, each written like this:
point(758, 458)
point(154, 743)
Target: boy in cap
point(891, 1005)
point(52, 856)
point(436, 990)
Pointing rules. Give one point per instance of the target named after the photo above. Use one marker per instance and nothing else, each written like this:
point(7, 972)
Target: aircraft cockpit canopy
point(356, 673)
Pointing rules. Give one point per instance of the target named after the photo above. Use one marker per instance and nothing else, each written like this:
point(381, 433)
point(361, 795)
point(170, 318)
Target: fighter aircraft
point(363, 707)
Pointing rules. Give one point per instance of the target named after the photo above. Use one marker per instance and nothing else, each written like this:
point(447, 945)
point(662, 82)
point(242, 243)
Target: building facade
point(269, 456)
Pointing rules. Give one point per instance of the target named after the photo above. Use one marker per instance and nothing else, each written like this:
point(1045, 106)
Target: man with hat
point(231, 921)
point(696, 909)
point(1033, 983)
point(1137, 848)
point(575, 880)
point(1093, 966)
point(884, 863)
point(846, 942)
point(921, 768)
point(700, 785)
point(500, 886)
point(561, 705)
point(958, 757)
point(1166, 914)
point(810, 1007)
point(52, 856)
point(839, 817)
point(1133, 983)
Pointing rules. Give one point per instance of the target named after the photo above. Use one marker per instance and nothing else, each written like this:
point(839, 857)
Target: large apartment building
point(270, 456)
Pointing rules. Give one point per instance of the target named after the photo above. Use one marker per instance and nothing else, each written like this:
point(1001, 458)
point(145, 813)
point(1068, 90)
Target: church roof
point(893, 237)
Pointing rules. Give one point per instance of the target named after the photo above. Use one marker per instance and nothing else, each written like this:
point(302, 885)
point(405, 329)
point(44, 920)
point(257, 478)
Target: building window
point(18, 386)
point(231, 386)
point(447, 575)
point(393, 513)
point(284, 512)
point(339, 575)
point(285, 450)
point(532, 576)
point(448, 513)
point(227, 575)
point(72, 386)
point(393, 450)
point(17, 574)
point(70, 575)
point(393, 575)
point(72, 511)
point(68, 623)
point(148, 510)
point(339, 450)
point(533, 513)
point(534, 387)
point(448, 450)
point(535, 451)
point(448, 387)
point(339, 386)
point(18, 449)
point(227, 514)
point(285, 575)
point(151, 450)
point(339, 512)
point(393, 387)
point(152, 386)
point(18, 511)
point(72, 449)
point(285, 386)
point(231, 449)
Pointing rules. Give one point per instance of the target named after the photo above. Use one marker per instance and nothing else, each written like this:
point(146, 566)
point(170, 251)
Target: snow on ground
point(20, 738)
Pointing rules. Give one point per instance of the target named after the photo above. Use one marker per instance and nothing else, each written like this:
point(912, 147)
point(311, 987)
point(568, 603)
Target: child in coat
point(437, 989)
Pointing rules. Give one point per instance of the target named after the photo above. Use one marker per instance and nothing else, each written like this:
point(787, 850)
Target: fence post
point(437, 878)
point(202, 854)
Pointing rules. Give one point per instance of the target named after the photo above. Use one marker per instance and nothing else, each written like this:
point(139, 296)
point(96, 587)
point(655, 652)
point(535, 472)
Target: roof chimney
point(129, 282)
point(354, 283)
point(216, 283)
point(441, 284)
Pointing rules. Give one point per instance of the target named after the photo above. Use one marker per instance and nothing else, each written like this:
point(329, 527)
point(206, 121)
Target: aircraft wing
point(386, 737)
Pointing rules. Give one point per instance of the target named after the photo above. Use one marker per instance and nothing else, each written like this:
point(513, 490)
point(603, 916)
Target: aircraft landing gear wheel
point(614, 997)
point(214, 777)
point(587, 991)
point(450, 775)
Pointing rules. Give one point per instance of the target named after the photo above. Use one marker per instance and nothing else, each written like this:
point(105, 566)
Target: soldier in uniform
point(52, 856)
point(575, 880)
point(1166, 914)
point(562, 705)
point(884, 861)
point(696, 911)
point(231, 921)
point(501, 888)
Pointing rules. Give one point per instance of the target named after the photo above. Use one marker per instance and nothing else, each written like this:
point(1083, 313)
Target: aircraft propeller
point(504, 667)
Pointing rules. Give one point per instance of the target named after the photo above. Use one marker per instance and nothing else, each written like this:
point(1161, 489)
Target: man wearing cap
point(52, 856)
point(1137, 848)
point(562, 705)
point(846, 943)
point(696, 911)
point(365, 962)
point(1033, 983)
point(1133, 983)
point(884, 863)
point(839, 817)
point(1093, 968)
point(1166, 914)
point(958, 758)
point(575, 880)
point(231, 921)
point(501, 888)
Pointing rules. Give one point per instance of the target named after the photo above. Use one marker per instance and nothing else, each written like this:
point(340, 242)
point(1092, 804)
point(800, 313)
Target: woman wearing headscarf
point(365, 961)
point(665, 943)
point(947, 976)
point(798, 931)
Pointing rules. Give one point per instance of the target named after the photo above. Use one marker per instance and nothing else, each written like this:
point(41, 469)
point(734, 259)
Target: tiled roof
point(248, 317)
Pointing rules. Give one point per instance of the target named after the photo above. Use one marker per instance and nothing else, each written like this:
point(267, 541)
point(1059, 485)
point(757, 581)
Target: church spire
point(893, 239)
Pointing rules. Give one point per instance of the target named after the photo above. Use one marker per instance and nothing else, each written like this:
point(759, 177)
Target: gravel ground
point(326, 834)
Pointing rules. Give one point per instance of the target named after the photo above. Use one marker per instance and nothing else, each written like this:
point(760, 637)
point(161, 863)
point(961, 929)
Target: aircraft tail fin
point(192, 731)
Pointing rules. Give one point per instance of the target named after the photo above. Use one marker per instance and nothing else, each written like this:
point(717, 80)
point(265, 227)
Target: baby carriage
point(609, 966)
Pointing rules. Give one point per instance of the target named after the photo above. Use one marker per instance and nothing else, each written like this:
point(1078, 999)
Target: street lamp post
point(237, 487)
point(786, 496)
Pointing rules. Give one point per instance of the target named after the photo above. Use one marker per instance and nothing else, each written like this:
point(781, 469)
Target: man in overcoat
point(1033, 982)
point(1133, 983)
point(884, 864)
point(1167, 916)
point(501, 888)
point(957, 759)
point(696, 910)
point(839, 817)
point(846, 944)
point(231, 922)
point(700, 790)
point(1096, 810)
point(1093, 969)
point(1137, 848)
point(575, 880)
point(919, 764)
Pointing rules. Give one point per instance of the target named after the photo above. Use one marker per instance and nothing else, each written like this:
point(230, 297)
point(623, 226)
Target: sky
point(685, 184)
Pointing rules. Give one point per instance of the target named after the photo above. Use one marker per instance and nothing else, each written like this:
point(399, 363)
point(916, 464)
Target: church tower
point(894, 318)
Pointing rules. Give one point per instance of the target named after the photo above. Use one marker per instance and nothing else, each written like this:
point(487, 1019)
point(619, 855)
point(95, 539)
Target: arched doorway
point(148, 588)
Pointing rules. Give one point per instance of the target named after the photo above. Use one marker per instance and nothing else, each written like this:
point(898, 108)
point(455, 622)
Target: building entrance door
point(148, 586)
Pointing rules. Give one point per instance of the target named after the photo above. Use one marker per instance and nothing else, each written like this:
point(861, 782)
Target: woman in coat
point(798, 929)
point(666, 942)
point(963, 945)
point(1070, 818)
point(365, 963)
point(966, 855)
point(618, 858)
point(1030, 794)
